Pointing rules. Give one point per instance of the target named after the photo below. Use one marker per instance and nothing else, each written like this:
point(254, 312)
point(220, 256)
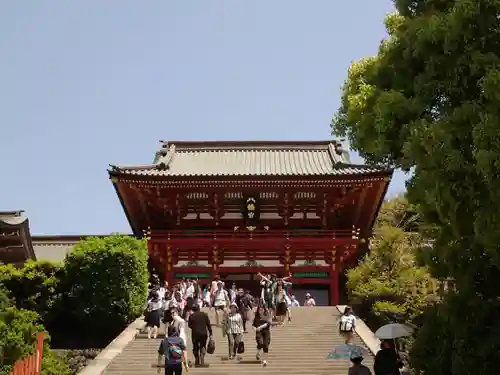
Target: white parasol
point(393, 331)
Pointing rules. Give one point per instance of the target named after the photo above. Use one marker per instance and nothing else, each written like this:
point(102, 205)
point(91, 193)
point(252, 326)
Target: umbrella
point(393, 331)
point(347, 351)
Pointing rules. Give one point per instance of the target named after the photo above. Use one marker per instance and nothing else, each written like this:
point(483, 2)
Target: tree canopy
point(428, 103)
point(389, 285)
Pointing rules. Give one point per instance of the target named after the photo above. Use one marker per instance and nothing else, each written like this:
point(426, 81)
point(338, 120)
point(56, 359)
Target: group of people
point(387, 360)
point(178, 306)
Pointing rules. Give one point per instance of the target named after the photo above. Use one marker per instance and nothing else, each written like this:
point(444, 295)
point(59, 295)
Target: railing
point(31, 365)
point(250, 232)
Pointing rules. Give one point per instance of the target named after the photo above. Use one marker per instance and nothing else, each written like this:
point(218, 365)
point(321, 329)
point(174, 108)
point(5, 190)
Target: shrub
point(78, 359)
point(18, 332)
point(388, 285)
point(34, 286)
point(52, 364)
point(106, 281)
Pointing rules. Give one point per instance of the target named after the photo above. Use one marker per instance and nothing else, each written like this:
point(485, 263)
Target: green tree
point(107, 282)
point(389, 285)
point(397, 212)
point(35, 286)
point(429, 103)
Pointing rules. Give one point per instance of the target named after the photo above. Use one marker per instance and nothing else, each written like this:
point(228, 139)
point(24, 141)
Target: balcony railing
point(244, 232)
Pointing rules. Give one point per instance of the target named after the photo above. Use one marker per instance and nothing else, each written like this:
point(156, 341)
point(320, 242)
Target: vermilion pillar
point(169, 271)
point(334, 278)
point(334, 285)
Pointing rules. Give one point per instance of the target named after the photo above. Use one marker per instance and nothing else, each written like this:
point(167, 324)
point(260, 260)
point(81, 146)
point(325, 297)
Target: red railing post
point(31, 365)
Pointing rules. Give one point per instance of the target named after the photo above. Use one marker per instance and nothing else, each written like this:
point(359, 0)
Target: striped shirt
point(234, 324)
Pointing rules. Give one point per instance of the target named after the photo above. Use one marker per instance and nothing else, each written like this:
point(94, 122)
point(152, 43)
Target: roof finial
point(114, 168)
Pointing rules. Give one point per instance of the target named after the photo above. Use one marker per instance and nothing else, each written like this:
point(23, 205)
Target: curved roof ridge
point(250, 145)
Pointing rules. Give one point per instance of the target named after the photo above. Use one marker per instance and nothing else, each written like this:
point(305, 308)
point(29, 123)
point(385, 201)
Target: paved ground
point(299, 347)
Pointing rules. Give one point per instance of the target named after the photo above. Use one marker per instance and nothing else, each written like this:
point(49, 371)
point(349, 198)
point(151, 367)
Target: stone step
point(298, 347)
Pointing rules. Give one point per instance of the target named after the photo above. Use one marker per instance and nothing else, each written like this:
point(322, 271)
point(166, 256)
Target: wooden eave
point(117, 177)
point(20, 224)
point(128, 215)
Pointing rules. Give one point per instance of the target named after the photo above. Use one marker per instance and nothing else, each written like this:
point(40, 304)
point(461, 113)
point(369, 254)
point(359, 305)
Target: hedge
point(91, 297)
point(105, 286)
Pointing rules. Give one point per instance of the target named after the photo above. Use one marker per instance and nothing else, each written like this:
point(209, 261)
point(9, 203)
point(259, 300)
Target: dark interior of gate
point(320, 292)
point(247, 281)
point(299, 205)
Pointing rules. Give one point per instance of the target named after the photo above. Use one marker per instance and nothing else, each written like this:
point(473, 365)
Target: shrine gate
point(301, 205)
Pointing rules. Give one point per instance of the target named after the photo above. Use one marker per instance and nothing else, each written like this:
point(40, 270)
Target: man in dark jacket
point(201, 330)
point(387, 361)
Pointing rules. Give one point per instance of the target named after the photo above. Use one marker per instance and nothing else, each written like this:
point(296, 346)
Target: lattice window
point(304, 195)
point(269, 195)
point(233, 195)
point(197, 196)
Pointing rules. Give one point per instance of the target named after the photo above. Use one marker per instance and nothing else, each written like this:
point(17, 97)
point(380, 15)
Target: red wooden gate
point(31, 365)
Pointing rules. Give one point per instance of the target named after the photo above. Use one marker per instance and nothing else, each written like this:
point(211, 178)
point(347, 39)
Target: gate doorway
point(247, 281)
point(320, 293)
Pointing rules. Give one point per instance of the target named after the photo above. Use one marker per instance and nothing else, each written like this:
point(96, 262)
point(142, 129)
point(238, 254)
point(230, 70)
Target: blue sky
point(88, 83)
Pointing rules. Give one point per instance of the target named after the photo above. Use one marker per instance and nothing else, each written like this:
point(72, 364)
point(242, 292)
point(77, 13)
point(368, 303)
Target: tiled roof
point(190, 159)
point(12, 218)
point(15, 238)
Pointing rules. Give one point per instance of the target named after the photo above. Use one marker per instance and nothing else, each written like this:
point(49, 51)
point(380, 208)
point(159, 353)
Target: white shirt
point(347, 322)
point(294, 303)
point(180, 324)
point(234, 323)
point(161, 293)
point(213, 288)
point(220, 297)
point(232, 294)
point(206, 297)
point(173, 302)
point(310, 302)
point(189, 291)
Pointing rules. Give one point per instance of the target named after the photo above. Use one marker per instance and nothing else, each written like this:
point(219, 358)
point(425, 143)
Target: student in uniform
point(173, 348)
point(347, 325)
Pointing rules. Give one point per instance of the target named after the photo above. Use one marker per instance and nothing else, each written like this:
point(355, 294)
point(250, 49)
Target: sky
point(88, 83)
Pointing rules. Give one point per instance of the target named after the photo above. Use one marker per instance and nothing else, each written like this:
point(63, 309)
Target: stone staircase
point(299, 347)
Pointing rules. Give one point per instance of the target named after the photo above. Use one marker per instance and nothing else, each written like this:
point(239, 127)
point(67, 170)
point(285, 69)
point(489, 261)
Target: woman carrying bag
point(232, 326)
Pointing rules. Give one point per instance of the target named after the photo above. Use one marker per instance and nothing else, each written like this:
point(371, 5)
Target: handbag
point(241, 348)
point(211, 346)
